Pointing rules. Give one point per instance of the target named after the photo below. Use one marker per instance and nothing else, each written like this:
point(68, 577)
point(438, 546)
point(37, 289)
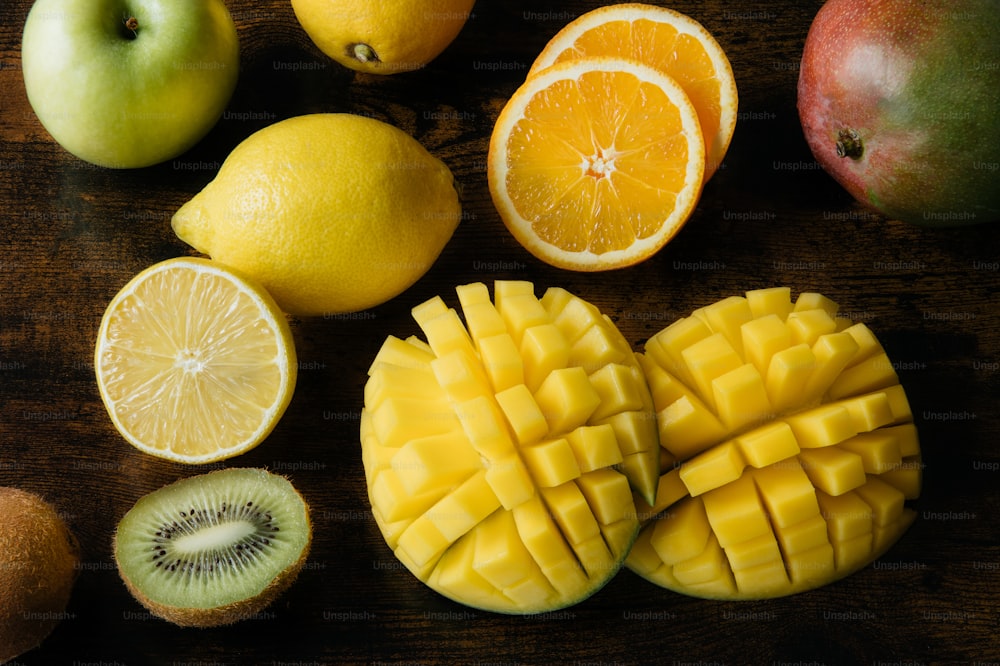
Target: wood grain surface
point(72, 235)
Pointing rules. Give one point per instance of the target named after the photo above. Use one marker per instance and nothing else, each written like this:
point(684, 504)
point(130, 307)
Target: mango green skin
point(124, 93)
point(898, 102)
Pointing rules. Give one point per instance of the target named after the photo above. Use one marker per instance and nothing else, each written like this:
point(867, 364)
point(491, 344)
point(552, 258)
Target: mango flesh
point(502, 451)
point(789, 449)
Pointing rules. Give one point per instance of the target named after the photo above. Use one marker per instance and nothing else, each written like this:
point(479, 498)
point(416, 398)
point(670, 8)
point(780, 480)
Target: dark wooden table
point(72, 235)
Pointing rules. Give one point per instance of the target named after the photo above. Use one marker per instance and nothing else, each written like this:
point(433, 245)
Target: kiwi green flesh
point(213, 540)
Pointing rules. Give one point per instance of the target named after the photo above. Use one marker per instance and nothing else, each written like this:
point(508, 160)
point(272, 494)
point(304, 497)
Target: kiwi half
point(39, 560)
point(215, 548)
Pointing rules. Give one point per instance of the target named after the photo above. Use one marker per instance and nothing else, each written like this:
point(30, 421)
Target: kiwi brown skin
point(221, 615)
point(39, 562)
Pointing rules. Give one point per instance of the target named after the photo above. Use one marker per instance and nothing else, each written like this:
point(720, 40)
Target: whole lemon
point(330, 212)
point(382, 37)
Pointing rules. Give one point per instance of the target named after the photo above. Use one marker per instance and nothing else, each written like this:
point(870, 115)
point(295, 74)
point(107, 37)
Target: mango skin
point(909, 92)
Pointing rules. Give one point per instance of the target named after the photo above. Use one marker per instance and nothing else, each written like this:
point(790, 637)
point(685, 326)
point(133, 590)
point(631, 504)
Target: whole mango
point(898, 101)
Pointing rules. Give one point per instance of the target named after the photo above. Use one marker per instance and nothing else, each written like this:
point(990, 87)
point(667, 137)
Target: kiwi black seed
point(215, 548)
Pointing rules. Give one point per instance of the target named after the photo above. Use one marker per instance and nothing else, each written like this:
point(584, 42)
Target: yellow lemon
point(382, 37)
point(331, 213)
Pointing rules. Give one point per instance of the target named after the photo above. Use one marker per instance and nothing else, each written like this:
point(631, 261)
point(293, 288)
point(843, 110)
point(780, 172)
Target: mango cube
point(551, 463)
point(768, 444)
point(787, 376)
point(740, 397)
point(707, 359)
point(510, 481)
point(755, 552)
point(685, 535)
point(667, 346)
point(708, 566)
point(524, 416)
point(595, 447)
point(788, 494)
point(500, 556)
point(481, 317)
point(735, 512)
point(501, 361)
point(543, 350)
point(805, 536)
point(436, 461)
point(763, 338)
point(608, 495)
point(879, 450)
point(567, 399)
point(713, 468)
point(806, 326)
point(775, 301)
point(727, 317)
point(596, 348)
point(571, 512)
point(832, 469)
point(620, 389)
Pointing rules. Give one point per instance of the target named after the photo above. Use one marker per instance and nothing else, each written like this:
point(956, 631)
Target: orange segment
point(672, 42)
point(596, 163)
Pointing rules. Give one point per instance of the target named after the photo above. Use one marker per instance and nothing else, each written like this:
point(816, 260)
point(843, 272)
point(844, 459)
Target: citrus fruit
point(195, 363)
point(382, 37)
point(790, 452)
point(500, 451)
point(669, 41)
point(331, 213)
point(898, 101)
point(595, 163)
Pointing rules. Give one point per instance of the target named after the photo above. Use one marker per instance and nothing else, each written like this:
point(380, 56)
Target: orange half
point(668, 40)
point(595, 163)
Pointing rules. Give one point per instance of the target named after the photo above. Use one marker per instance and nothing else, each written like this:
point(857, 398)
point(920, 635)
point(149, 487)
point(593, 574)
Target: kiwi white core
point(214, 537)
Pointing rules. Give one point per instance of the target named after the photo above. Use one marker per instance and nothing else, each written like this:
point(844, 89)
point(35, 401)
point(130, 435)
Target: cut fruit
point(214, 549)
point(789, 448)
point(194, 362)
point(596, 163)
point(669, 41)
point(501, 455)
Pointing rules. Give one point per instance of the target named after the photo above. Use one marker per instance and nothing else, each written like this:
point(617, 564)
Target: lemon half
point(195, 363)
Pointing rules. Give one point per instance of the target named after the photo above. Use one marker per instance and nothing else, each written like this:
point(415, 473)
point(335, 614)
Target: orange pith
point(669, 41)
point(595, 163)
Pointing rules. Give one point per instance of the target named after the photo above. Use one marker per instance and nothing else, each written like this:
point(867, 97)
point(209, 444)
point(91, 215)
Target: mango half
point(501, 453)
point(789, 449)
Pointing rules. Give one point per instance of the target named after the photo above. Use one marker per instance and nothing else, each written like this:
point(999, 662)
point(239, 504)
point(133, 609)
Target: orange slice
point(669, 41)
point(596, 163)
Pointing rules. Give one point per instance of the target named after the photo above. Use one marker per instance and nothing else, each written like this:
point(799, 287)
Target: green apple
point(129, 83)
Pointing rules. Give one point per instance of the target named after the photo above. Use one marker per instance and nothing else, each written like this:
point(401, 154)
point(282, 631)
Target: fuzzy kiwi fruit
point(213, 549)
point(39, 560)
